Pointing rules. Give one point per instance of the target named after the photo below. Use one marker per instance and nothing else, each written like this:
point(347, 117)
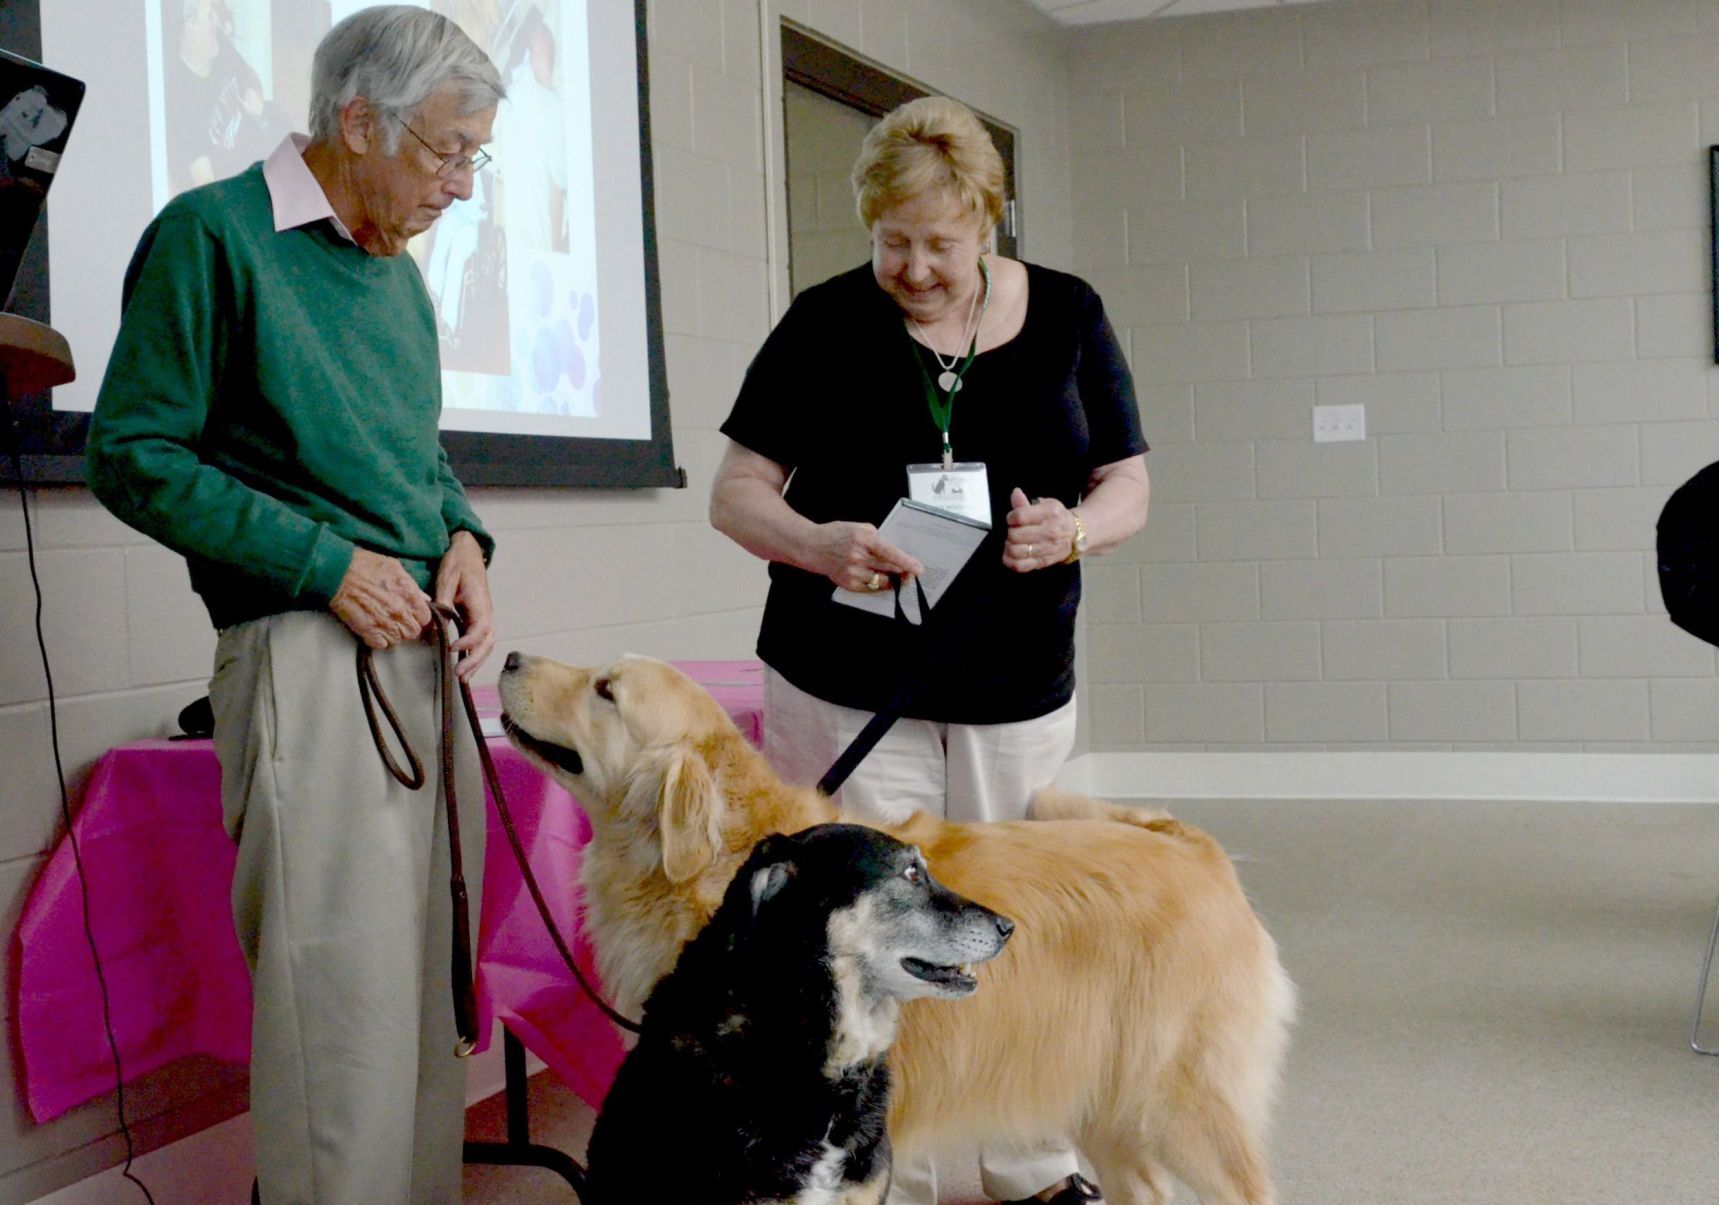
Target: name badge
point(961, 488)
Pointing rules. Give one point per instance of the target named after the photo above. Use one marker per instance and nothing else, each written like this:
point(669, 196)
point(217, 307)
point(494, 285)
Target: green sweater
point(271, 403)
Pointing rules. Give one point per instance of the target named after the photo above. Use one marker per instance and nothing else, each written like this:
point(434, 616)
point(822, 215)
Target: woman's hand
point(1040, 533)
point(855, 557)
point(747, 506)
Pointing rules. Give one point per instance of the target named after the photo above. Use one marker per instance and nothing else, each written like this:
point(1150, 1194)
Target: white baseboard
point(1585, 777)
point(211, 1165)
point(216, 1164)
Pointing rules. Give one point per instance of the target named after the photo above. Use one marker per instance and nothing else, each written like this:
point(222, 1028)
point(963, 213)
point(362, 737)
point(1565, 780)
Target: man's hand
point(379, 601)
point(463, 582)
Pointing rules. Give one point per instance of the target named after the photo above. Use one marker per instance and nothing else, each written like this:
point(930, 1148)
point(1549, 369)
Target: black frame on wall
point(52, 441)
point(1713, 237)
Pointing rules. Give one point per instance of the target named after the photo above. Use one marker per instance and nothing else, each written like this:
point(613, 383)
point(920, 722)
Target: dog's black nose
point(1005, 926)
point(512, 661)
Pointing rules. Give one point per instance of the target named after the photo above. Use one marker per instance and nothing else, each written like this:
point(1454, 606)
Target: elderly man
point(270, 412)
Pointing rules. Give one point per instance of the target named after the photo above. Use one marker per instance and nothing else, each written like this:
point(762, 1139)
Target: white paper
point(941, 541)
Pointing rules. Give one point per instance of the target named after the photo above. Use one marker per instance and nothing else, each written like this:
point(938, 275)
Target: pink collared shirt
point(294, 194)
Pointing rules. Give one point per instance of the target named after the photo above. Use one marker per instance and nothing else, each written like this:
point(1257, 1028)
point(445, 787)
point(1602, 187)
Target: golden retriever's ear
point(691, 835)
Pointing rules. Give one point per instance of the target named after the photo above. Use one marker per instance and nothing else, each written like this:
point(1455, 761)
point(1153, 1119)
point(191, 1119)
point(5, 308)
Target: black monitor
point(37, 109)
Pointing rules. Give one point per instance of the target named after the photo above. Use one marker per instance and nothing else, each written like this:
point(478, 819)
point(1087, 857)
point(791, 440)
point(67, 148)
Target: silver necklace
point(948, 380)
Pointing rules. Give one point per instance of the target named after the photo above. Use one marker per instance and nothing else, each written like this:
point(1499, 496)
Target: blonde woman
point(1002, 379)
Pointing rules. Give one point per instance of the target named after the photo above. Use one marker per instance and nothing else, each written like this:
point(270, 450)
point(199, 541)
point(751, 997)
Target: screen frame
point(51, 442)
point(1713, 238)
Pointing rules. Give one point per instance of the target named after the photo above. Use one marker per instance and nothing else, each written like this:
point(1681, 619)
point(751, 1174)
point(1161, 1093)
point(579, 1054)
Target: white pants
point(961, 772)
point(340, 899)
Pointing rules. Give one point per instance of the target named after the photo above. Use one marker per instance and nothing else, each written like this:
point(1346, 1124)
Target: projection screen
point(544, 284)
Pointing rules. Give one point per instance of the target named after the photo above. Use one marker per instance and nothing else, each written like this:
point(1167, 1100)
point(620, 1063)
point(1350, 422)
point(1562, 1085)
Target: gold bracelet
point(1077, 546)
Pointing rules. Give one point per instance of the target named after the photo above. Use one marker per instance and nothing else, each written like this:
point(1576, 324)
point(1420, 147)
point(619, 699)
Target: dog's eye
point(911, 874)
point(604, 689)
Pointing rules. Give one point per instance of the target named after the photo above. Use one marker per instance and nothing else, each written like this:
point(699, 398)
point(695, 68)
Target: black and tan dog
point(759, 1075)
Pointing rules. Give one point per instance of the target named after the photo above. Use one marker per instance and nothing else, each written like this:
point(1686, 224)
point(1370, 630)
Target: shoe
point(1079, 1191)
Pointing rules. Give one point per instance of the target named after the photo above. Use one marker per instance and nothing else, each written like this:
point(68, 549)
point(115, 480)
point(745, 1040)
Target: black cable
point(12, 443)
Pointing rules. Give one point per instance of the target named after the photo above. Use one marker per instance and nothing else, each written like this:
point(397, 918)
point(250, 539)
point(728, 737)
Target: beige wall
point(580, 574)
point(1486, 220)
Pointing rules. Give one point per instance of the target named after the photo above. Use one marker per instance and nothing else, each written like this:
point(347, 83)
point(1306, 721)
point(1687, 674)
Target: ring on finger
point(875, 582)
point(1029, 552)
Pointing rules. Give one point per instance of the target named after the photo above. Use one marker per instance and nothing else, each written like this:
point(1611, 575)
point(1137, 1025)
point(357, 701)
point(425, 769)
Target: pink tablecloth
point(160, 867)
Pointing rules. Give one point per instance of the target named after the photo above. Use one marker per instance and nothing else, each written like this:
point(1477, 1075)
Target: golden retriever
point(1140, 1009)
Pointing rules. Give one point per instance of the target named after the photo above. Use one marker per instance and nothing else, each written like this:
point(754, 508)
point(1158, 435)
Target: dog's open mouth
point(559, 756)
point(954, 978)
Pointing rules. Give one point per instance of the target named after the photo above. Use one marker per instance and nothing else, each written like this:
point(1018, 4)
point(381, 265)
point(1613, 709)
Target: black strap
point(912, 683)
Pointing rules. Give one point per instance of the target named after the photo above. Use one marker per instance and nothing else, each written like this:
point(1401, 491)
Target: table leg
point(519, 1150)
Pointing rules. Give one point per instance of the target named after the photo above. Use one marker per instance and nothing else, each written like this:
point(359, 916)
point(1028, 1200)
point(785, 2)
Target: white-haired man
point(270, 412)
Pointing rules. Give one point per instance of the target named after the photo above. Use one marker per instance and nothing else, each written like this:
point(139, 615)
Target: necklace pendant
point(948, 382)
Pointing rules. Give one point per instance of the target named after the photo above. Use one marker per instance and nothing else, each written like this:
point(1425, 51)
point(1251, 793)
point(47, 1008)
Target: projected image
point(511, 271)
point(219, 117)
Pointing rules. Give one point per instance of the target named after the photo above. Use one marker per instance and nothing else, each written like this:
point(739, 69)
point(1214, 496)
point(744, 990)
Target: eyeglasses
point(453, 165)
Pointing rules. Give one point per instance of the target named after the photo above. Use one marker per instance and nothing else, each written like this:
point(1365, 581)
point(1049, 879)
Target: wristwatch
point(1079, 545)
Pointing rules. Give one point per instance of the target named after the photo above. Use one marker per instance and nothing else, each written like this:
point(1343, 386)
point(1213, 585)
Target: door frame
point(830, 70)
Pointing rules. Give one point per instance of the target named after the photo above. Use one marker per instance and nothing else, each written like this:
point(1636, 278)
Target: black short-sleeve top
point(836, 397)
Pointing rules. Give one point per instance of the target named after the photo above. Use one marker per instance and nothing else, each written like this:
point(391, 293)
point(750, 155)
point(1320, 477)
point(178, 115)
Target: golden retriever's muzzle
point(557, 755)
point(563, 757)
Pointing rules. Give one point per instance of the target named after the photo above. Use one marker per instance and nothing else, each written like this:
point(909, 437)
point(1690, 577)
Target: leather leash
point(370, 691)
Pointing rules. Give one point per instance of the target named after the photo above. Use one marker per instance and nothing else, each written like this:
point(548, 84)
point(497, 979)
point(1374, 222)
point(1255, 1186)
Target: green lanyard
point(943, 407)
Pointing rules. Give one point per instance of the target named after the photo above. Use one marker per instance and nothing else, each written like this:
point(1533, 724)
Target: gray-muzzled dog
point(759, 1074)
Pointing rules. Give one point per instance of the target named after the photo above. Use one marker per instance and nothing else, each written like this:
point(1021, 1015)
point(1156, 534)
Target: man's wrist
point(480, 542)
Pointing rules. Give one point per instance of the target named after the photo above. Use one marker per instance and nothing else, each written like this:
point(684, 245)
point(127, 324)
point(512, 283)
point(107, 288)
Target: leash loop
point(369, 687)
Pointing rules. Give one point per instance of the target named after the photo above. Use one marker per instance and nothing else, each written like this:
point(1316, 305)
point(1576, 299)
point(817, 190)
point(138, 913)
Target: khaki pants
point(962, 772)
point(340, 899)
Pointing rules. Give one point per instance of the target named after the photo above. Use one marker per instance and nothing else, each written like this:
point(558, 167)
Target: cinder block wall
point(1487, 222)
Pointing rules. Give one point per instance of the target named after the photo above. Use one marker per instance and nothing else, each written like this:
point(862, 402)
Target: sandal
point(1078, 1191)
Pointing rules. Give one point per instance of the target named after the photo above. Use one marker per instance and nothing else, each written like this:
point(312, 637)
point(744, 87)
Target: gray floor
point(1495, 1004)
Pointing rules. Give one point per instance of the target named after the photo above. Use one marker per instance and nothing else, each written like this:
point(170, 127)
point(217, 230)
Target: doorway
point(829, 100)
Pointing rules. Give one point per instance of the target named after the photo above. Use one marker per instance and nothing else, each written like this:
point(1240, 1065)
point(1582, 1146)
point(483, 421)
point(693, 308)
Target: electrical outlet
point(1334, 424)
